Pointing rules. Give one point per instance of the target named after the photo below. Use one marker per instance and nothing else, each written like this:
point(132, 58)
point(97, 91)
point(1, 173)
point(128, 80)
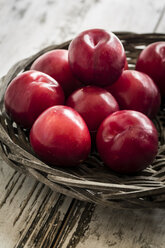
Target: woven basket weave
point(91, 181)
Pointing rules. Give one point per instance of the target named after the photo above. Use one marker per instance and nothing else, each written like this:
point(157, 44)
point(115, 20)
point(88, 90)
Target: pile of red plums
point(69, 96)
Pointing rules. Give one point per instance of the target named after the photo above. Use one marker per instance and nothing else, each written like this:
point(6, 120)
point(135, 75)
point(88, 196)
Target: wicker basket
point(91, 181)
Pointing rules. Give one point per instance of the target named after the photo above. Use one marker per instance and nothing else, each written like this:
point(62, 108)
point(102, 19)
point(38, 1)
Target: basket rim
point(63, 181)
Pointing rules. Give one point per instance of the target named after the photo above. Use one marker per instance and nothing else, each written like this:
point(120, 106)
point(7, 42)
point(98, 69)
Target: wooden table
point(31, 215)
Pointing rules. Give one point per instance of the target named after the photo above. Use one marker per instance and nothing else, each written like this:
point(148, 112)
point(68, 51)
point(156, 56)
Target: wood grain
point(160, 27)
point(31, 215)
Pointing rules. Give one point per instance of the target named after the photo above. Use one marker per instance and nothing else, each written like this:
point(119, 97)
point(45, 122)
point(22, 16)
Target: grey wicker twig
point(91, 181)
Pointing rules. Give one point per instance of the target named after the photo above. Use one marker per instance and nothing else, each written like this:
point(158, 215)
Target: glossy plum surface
point(29, 94)
point(94, 104)
point(60, 137)
point(55, 64)
point(127, 141)
point(152, 61)
point(136, 91)
point(96, 57)
point(126, 65)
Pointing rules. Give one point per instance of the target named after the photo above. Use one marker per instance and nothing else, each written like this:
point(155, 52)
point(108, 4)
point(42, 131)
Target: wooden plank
point(125, 229)
point(76, 223)
point(30, 210)
point(27, 26)
point(26, 30)
point(160, 27)
point(118, 15)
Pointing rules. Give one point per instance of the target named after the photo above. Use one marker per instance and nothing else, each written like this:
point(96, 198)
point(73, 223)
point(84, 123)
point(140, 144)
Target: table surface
point(31, 215)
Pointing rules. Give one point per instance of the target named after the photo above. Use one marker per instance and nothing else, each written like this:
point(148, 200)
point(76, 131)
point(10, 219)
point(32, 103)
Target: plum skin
point(55, 64)
point(60, 137)
point(127, 141)
point(135, 90)
point(152, 62)
point(94, 104)
point(96, 57)
point(29, 94)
